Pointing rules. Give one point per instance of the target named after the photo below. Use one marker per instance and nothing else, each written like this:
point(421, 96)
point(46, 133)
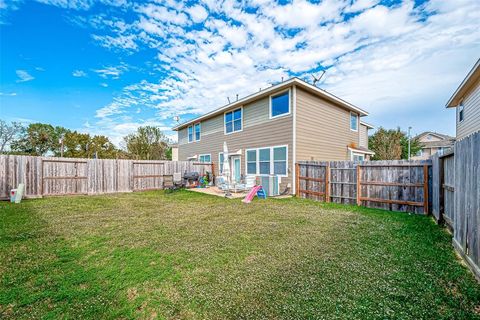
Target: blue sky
point(107, 67)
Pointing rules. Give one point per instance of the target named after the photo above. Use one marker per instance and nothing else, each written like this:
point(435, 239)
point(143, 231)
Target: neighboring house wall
point(258, 131)
point(363, 136)
point(322, 129)
point(471, 113)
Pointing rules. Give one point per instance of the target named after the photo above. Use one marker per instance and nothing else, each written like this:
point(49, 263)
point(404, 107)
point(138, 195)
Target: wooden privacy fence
point(456, 191)
point(391, 185)
point(49, 176)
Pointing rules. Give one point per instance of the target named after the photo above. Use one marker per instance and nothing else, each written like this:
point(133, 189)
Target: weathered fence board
point(389, 185)
point(45, 176)
point(466, 220)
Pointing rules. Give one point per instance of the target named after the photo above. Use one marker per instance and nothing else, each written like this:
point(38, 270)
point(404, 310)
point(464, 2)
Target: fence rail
point(45, 176)
point(390, 185)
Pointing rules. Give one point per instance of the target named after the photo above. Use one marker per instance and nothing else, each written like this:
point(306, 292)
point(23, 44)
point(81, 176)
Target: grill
point(190, 177)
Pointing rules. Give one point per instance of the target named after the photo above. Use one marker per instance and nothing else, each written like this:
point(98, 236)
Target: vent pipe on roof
point(237, 96)
point(228, 98)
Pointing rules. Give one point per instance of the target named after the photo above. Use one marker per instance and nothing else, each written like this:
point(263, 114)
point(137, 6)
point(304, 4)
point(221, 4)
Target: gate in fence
point(391, 185)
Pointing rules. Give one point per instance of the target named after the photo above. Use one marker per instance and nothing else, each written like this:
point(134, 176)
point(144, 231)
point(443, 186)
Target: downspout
point(294, 140)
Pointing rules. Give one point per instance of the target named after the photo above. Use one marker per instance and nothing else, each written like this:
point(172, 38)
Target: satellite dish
point(316, 79)
point(176, 118)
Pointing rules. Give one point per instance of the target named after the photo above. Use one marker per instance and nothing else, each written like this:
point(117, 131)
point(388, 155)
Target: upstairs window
point(194, 132)
point(460, 113)
point(197, 132)
point(190, 134)
point(353, 121)
point(280, 104)
point(233, 121)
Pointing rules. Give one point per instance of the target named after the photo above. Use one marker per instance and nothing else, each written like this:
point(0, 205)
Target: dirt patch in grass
point(191, 256)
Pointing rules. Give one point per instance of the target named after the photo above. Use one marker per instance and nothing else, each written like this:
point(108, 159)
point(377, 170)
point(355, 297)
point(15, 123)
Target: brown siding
point(323, 129)
point(471, 113)
point(258, 131)
point(363, 136)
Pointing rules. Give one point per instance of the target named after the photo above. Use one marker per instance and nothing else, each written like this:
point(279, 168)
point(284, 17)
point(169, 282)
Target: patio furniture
point(177, 180)
point(249, 183)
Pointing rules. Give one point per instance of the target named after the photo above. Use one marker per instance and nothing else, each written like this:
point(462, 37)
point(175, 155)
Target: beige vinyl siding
point(363, 136)
point(258, 131)
point(471, 113)
point(323, 129)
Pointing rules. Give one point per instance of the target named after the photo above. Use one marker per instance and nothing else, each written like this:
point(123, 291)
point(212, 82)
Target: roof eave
point(472, 76)
point(254, 96)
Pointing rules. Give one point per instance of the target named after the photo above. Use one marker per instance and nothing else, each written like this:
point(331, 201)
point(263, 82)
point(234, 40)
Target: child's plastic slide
point(248, 198)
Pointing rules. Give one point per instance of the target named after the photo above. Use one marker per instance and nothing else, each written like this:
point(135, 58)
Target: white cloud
point(69, 4)
point(360, 5)
point(79, 73)
point(126, 42)
point(9, 94)
point(198, 13)
point(24, 76)
point(386, 58)
point(111, 72)
point(164, 14)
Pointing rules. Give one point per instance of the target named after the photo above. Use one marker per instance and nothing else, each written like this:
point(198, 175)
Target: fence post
point(297, 179)
point(327, 182)
point(425, 189)
point(359, 202)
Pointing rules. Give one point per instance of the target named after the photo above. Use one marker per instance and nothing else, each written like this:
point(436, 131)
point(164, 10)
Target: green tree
point(103, 147)
point(386, 144)
point(147, 143)
point(9, 133)
point(82, 145)
point(414, 147)
point(38, 139)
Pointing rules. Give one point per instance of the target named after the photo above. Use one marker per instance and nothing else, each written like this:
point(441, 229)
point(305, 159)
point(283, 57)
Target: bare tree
point(9, 133)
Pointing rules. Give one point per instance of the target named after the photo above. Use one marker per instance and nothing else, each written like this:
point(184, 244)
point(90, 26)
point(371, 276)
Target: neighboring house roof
point(472, 77)
point(369, 126)
point(439, 135)
point(435, 144)
point(445, 142)
point(265, 92)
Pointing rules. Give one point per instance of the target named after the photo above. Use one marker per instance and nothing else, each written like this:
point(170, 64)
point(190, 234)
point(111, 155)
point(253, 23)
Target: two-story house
point(432, 143)
point(466, 100)
point(269, 131)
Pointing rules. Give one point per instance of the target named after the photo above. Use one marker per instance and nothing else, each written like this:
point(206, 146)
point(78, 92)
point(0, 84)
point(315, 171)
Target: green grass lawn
point(191, 256)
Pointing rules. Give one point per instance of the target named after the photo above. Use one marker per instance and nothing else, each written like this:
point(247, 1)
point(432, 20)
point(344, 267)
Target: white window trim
point(188, 134)
point(272, 161)
point(350, 121)
point(194, 133)
point(270, 104)
point(225, 123)
point(220, 163)
point(460, 109)
point(205, 154)
point(357, 154)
